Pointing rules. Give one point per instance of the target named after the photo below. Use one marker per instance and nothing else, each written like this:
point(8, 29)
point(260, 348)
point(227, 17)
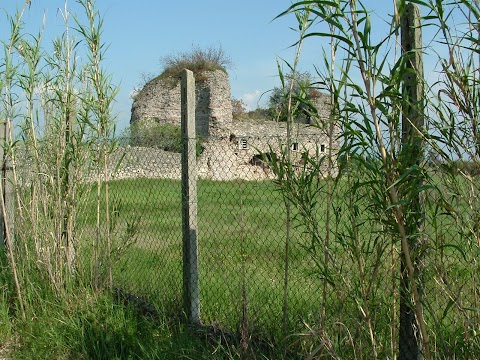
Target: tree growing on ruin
point(303, 94)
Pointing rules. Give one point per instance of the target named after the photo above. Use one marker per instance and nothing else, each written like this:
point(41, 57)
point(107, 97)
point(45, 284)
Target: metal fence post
point(191, 292)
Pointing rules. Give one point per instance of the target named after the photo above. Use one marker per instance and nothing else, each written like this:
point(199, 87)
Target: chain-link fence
point(294, 251)
point(304, 261)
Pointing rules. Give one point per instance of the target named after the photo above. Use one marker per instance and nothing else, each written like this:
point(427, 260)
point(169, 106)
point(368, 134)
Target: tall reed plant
point(393, 214)
point(59, 135)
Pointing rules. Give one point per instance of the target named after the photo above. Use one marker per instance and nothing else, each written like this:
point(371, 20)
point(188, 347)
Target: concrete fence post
point(191, 291)
point(413, 341)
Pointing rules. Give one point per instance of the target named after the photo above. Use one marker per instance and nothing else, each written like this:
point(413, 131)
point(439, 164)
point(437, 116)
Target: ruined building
point(231, 149)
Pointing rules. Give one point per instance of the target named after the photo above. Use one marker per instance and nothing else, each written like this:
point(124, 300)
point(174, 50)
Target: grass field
point(238, 222)
point(245, 223)
point(242, 232)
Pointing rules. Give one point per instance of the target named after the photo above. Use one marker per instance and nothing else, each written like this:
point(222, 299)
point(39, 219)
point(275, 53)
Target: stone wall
point(218, 162)
point(232, 149)
point(160, 101)
point(236, 157)
point(144, 162)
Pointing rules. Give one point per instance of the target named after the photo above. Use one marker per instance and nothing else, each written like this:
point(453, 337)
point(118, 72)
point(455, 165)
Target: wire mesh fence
point(296, 259)
point(314, 259)
point(297, 247)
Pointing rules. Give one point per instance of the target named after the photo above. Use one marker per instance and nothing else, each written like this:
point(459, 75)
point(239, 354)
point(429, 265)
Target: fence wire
point(312, 265)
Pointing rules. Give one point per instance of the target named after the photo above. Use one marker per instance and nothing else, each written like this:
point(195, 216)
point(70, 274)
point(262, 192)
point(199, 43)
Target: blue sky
point(140, 32)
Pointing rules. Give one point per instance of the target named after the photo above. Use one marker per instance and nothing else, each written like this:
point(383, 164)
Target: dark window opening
point(243, 144)
point(262, 159)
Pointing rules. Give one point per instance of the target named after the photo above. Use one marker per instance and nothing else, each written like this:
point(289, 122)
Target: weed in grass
point(95, 326)
point(6, 315)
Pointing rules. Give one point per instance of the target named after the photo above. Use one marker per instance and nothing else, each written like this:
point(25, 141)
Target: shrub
point(240, 113)
point(167, 137)
point(239, 108)
point(197, 60)
point(303, 93)
point(163, 136)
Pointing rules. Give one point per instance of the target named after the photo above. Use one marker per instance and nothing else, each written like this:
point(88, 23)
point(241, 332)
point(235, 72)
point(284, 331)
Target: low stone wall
point(144, 162)
point(223, 159)
point(215, 163)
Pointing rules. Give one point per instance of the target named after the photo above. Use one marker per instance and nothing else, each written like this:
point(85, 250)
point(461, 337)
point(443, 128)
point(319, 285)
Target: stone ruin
point(231, 149)
point(159, 101)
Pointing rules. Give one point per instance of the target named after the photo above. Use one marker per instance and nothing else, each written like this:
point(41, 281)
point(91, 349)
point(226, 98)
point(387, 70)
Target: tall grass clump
point(57, 141)
point(400, 234)
point(59, 134)
point(197, 60)
point(5, 302)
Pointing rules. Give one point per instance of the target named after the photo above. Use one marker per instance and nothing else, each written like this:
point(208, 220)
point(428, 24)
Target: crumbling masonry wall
point(232, 149)
point(160, 101)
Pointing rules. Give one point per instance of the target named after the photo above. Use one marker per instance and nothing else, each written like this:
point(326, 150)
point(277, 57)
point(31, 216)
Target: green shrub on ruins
point(162, 136)
point(240, 112)
point(197, 60)
point(167, 137)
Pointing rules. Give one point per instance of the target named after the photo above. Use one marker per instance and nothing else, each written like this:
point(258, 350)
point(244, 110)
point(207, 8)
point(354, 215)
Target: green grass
point(236, 220)
point(90, 326)
point(246, 222)
point(85, 324)
point(5, 305)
